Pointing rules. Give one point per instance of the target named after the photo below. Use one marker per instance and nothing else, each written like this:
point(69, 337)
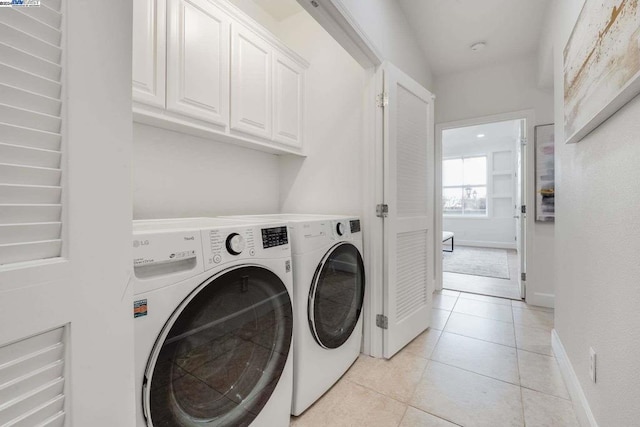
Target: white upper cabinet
point(149, 50)
point(204, 67)
point(251, 83)
point(288, 86)
point(198, 61)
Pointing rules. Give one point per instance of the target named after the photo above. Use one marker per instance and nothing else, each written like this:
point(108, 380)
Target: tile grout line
point(434, 415)
point(476, 373)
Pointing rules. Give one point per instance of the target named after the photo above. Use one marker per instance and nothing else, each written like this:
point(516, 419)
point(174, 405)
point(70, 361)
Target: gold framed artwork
point(601, 64)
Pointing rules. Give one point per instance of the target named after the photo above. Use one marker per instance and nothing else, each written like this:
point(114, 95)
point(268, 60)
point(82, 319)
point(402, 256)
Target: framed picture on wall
point(601, 64)
point(545, 173)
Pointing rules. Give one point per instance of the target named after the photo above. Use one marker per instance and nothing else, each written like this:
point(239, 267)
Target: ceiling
point(493, 132)
point(446, 29)
point(279, 9)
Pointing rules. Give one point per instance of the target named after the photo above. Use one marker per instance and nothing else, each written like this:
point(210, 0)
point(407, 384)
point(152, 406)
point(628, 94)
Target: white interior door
point(408, 191)
point(520, 197)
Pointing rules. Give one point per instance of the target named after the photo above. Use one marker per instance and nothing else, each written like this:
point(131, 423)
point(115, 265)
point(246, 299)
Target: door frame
point(528, 166)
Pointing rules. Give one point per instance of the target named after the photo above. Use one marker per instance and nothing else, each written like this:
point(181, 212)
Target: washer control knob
point(340, 228)
point(235, 244)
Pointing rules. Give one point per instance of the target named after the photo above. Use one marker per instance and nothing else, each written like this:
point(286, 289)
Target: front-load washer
point(328, 294)
point(213, 322)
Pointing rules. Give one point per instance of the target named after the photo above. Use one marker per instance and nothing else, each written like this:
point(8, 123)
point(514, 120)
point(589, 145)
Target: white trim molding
point(580, 403)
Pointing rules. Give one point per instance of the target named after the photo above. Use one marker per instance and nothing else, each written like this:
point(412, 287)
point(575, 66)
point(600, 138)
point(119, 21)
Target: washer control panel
point(229, 244)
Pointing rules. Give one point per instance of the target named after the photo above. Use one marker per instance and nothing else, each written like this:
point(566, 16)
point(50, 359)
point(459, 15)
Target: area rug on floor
point(486, 262)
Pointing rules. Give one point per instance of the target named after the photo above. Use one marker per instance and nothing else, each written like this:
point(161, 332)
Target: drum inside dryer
point(336, 296)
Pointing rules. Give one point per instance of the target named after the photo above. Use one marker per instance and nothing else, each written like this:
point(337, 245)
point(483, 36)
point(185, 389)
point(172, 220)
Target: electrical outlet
point(592, 364)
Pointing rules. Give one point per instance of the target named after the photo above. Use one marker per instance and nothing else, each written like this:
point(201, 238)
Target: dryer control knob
point(235, 244)
point(340, 228)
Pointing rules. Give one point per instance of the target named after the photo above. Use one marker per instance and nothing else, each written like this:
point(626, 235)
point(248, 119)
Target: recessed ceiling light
point(476, 47)
point(480, 135)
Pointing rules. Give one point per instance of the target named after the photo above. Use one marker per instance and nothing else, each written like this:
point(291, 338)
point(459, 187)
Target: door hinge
point(523, 141)
point(523, 209)
point(523, 277)
point(382, 321)
point(382, 100)
point(382, 211)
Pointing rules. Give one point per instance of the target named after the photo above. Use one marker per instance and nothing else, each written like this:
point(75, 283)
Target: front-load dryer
point(213, 323)
point(328, 294)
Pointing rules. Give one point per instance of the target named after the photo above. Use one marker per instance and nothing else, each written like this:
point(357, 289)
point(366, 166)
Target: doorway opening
point(483, 248)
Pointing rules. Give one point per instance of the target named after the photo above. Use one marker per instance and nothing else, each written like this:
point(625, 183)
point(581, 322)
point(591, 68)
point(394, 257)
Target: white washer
point(328, 294)
point(213, 322)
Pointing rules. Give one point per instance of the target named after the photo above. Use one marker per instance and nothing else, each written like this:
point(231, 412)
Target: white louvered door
point(408, 191)
point(32, 270)
point(30, 141)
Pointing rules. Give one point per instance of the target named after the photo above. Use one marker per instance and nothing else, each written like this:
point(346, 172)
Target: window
point(464, 181)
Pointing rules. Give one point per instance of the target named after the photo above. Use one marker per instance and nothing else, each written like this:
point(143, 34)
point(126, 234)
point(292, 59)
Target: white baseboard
point(580, 403)
point(483, 244)
point(541, 299)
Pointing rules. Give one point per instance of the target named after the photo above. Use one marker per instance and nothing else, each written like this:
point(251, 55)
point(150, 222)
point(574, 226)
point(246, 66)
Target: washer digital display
point(274, 236)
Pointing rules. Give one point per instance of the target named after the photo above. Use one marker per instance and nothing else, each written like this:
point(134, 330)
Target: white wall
point(389, 30)
point(179, 175)
point(504, 88)
point(497, 229)
point(597, 247)
point(329, 179)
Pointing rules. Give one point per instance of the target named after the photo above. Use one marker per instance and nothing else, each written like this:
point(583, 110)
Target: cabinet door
point(288, 87)
point(149, 47)
point(198, 61)
point(251, 83)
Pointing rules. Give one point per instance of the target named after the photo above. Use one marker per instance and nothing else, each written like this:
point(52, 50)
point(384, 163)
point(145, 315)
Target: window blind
point(30, 132)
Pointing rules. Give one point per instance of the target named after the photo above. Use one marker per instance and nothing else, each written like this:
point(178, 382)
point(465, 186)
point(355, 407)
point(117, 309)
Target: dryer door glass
point(336, 296)
point(220, 356)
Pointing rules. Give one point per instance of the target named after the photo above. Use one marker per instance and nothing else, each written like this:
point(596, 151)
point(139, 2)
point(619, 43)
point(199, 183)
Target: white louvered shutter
point(30, 132)
point(408, 190)
point(32, 381)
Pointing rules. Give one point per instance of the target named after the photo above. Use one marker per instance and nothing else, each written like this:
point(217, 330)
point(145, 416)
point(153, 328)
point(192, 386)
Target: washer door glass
point(336, 296)
point(221, 354)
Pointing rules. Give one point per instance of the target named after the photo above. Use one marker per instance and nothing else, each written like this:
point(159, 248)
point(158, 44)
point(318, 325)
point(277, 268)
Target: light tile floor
point(484, 362)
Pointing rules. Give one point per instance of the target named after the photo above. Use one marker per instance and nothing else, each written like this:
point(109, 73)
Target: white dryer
point(213, 322)
point(328, 295)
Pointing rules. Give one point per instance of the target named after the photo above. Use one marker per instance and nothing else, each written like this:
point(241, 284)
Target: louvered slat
point(15, 77)
point(30, 141)
point(17, 135)
point(30, 25)
point(30, 119)
point(25, 61)
point(29, 175)
point(20, 214)
point(44, 14)
point(41, 415)
point(16, 233)
point(32, 381)
point(54, 421)
point(30, 100)
point(28, 43)
point(27, 194)
point(19, 155)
